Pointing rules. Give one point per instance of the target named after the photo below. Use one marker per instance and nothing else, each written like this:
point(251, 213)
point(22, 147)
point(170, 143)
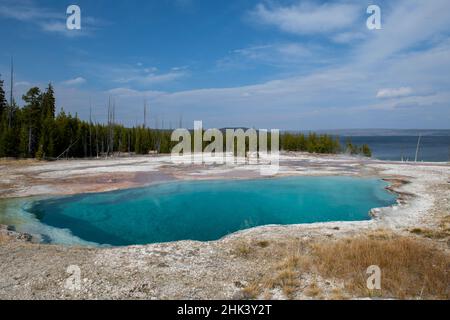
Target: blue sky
point(270, 64)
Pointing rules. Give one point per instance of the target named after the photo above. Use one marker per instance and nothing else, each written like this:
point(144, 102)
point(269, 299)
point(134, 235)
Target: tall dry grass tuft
point(281, 260)
point(410, 268)
point(3, 238)
point(242, 249)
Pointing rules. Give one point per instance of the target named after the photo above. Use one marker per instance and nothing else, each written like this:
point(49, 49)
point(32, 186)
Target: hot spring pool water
point(203, 210)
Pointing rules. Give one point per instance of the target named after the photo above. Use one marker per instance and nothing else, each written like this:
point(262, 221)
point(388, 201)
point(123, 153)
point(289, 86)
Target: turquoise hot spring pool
point(205, 210)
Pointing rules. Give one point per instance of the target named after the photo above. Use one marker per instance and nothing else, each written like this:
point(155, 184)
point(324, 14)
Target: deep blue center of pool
point(208, 210)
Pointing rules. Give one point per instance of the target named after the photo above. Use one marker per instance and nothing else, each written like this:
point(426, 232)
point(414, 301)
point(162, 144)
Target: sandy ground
point(189, 269)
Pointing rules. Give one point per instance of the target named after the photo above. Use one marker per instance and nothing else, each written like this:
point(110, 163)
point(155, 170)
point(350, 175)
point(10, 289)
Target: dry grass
point(313, 290)
point(3, 238)
point(337, 294)
point(17, 162)
point(411, 268)
point(263, 243)
point(242, 249)
point(251, 291)
point(280, 261)
point(446, 221)
point(440, 234)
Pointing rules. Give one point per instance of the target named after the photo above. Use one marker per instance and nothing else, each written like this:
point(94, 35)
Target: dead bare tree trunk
point(11, 95)
point(145, 113)
point(90, 130)
point(417, 148)
point(29, 140)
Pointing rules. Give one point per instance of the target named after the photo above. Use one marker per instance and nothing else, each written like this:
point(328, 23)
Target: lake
point(432, 148)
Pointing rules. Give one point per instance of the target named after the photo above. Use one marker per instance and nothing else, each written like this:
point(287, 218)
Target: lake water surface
point(396, 148)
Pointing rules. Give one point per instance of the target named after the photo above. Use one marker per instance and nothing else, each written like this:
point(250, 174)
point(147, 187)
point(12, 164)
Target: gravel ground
point(187, 269)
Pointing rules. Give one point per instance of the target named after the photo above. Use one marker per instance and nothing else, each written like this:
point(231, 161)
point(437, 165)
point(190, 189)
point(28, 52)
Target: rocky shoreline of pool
point(203, 270)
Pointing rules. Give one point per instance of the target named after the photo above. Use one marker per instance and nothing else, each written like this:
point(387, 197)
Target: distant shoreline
point(379, 132)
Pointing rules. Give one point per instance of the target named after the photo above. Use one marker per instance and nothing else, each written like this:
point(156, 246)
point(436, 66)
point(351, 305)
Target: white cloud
point(74, 82)
point(409, 23)
point(160, 78)
point(179, 68)
point(22, 84)
point(25, 11)
point(293, 50)
point(128, 74)
point(273, 51)
point(61, 28)
point(394, 92)
point(307, 17)
point(127, 92)
point(54, 26)
point(348, 37)
point(151, 79)
point(284, 55)
point(47, 20)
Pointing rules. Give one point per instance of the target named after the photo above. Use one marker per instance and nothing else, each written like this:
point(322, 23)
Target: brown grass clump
point(277, 262)
point(287, 280)
point(431, 233)
point(313, 290)
point(337, 294)
point(17, 162)
point(446, 221)
point(3, 238)
point(251, 291)
point(440, 232)
point(242, 249)
point(410, 268)
point(263, 243)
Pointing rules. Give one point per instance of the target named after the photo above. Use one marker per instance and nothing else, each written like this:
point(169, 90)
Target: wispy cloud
point(131, 93)
point(408, 24)
point(131, 74)
point(152, 78)
point(59, 27)
point(274, 51)
point(394, 92)
point(349, 37)
point(22, 84)
point(48, 20)
point(26, 11)
point(280, 55)
point(307, 17)
point(74, 82)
